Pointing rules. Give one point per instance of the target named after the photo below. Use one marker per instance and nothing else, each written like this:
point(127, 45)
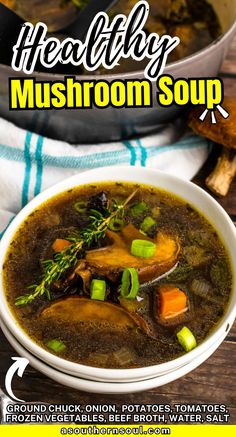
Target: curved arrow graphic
point(18, 367)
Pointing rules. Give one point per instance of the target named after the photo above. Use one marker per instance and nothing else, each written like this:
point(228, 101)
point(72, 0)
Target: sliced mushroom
point(223, 132)
point(78, 280)
point(84, 273)
point(79, 309)
point(111, 260)
point(220, 179)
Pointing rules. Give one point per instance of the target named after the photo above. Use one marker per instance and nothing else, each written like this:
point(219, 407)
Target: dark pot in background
point(110, 124)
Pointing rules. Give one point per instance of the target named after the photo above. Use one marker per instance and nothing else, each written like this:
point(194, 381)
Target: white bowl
point(187, 191)
point(105, 387)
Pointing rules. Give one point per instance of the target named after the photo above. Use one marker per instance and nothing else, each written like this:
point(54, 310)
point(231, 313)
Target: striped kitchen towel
point(30, 163)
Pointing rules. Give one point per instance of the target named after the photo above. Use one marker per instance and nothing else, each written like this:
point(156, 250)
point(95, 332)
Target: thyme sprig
point(54, 269)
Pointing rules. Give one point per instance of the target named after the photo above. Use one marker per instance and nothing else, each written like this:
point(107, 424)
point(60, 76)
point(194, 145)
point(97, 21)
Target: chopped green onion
point(81, 206)
point(116, 224)
point(129, 283)
point(186, 339)
point(56, 345)
point(95, 213)
point(143, 248)
point(139, 208)
point(147, 224)
point(98, 289)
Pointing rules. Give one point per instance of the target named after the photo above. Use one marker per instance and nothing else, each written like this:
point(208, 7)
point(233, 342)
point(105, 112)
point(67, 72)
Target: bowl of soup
point(119, 274)
point(205, 28)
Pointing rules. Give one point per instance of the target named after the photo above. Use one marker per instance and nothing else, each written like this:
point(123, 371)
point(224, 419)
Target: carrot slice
point(173, 301)
point(59, 245)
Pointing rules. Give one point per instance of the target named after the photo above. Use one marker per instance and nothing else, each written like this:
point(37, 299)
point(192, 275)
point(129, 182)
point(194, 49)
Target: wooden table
point(212, 382)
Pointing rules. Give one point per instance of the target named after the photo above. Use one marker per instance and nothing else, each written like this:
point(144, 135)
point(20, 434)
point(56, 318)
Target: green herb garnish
point(181, 273)
point(130, 283)
point(53, 269)
point(143, 248)
point(81, 207)
point(56, 345)
point(147, 224)
point(139, 208)
point(116, 224)
point(186, 339)
point(98, 289)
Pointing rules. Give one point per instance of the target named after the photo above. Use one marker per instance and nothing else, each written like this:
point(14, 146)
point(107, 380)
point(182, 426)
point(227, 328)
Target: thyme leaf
point(55, 268)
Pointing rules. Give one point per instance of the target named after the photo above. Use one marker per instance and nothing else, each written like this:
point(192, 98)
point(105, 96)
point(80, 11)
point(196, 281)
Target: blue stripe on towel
point(11, 153)
point(99, 159)
point(27, 159)
point(88, 161)
point(152, 151)
point(39, 161)
point(132, 150)
point(143, 152)
point(65, 161)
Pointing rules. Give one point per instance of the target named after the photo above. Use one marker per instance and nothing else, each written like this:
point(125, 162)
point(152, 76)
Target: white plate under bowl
point(104, 387)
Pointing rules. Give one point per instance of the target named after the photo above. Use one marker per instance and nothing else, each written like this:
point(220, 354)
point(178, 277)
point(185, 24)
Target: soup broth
point(177, 278)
